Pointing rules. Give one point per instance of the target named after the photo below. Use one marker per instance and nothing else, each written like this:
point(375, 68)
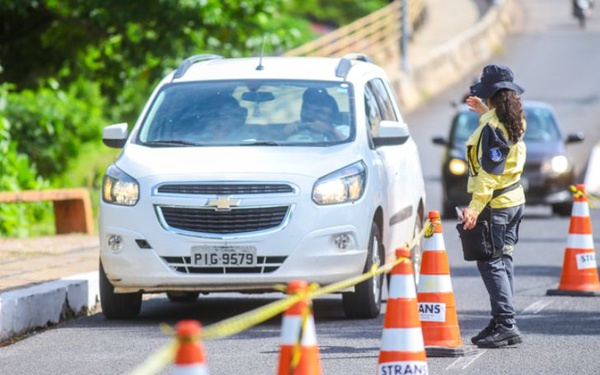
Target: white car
point(234, 179)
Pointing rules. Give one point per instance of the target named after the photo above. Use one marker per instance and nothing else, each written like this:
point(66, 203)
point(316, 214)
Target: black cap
point(494, 78)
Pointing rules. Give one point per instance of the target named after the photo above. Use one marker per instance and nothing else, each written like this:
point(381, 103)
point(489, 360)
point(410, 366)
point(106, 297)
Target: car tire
point(562, 209)
point(117, 305)
point(183, 297)
point(416, 253)
point(365, 301)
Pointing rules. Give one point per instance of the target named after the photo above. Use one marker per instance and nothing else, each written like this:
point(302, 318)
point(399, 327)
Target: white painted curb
point(39, 306)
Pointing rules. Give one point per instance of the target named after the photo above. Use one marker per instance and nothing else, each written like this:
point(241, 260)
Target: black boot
point(484, 332)
point(502, 335)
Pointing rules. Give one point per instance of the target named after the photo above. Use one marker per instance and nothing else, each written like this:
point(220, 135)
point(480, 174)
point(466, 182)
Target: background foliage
point(70, 67)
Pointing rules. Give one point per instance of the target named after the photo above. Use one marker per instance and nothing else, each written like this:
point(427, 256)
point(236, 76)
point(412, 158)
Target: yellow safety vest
point(493, 168)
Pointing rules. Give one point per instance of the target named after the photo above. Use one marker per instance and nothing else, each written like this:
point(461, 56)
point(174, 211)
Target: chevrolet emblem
point(223, 203)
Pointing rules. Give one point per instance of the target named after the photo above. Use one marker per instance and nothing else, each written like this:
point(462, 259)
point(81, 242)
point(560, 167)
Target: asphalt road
point(555, 61)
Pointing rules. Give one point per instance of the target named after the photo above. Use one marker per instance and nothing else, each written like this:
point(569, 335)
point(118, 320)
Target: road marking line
point(464, 362)
point(536, 307)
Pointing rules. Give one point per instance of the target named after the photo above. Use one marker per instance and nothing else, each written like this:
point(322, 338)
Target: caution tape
point(581, 193)
point(297, 350)
point(239, 323)
point(158, 360)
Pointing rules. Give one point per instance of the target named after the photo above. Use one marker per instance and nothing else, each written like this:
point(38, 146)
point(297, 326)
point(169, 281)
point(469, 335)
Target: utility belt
point(506, 189)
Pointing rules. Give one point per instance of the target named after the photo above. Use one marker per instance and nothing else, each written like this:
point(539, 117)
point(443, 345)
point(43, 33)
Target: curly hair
point(509, 109)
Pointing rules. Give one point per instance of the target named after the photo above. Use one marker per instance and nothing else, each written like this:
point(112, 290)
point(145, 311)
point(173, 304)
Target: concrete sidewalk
point(46, 280)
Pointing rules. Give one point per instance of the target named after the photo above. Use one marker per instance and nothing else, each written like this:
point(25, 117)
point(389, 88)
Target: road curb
point(40, 306)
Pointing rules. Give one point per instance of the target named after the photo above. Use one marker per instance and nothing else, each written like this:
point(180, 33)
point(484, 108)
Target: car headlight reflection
point(343, 186)
point(457, 167)
point(119, 188)
point(557, 165)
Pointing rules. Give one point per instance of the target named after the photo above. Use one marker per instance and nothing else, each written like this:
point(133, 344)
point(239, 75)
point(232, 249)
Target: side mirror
point(115, 136)
point(439, 141)
point(575, 137)
point(391, 133)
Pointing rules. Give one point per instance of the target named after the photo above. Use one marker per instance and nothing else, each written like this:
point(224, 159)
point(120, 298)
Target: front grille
point(237, 220)
point(264, 265)
point(225, 189)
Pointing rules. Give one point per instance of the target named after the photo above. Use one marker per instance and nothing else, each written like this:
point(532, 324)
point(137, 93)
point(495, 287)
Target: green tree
point(49, 124)
point(113, 40)
point(17, 173)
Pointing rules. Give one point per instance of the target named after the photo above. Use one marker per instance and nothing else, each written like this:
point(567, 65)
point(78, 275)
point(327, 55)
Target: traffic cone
point(189, 359)
point(437, 309)
point(579, 273)
point(402, 349)
point(299, 354)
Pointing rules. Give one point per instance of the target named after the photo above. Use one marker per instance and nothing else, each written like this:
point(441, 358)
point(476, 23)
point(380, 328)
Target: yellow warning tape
point(248, 319)
point(579, 193)
point(228, 327)
point(158, 360)
point(297, 351)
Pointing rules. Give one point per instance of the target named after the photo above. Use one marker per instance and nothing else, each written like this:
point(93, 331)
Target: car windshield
point(541, 126)
point(248, 113)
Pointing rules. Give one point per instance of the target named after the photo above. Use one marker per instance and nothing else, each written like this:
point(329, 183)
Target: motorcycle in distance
point(582, 10)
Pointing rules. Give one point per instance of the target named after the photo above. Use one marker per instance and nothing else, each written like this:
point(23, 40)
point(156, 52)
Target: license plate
point(224, 256)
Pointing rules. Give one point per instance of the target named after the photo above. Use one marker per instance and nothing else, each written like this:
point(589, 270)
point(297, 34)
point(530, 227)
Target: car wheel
point(184, 297)
point(117, 305)
point(562, 209)
point(416, 253)
point(365, 301)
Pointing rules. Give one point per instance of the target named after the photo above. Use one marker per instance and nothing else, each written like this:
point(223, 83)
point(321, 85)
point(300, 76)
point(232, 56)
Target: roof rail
point(346, 63)
point(185, 64)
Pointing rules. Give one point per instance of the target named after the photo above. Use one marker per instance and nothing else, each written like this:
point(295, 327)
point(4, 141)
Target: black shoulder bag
point(478, 243)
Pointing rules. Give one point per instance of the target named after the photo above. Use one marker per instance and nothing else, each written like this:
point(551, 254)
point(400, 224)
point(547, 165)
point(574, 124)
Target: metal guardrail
point(377, 35)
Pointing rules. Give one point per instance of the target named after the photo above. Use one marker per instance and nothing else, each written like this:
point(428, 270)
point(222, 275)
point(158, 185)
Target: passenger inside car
point(319, 115)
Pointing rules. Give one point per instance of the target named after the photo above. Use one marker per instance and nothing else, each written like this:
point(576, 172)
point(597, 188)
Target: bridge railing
point(377, 35)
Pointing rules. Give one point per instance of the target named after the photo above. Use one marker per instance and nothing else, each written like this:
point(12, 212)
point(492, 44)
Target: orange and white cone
point(402, 350)
point(580, 272)
point(190, 358)
point(437, 309)
point(299, 353)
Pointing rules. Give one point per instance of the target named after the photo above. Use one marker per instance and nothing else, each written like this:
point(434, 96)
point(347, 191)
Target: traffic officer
point(495, 156)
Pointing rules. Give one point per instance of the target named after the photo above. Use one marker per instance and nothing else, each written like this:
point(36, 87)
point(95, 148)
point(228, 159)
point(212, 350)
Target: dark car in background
point(548, 171)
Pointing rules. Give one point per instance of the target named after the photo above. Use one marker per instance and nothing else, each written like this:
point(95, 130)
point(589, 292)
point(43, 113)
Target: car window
point(463, 125)
point(231, 113)
point(541, 126)
point(384, 101)
point(372, 112)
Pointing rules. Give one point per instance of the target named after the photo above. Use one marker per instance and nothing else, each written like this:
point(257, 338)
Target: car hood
point(235, 162)
point(540, 151)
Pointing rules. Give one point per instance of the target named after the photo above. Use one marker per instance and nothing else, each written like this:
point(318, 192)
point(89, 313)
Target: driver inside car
point(223, 120)
point(318, 114)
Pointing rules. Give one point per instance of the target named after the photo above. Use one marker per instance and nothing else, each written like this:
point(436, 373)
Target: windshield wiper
point(260, 143)
point(171, 143)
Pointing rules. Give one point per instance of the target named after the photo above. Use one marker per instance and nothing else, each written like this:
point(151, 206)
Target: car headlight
point(119, 188)
point(342, 186)
point(457, 167)
point(557, 165)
